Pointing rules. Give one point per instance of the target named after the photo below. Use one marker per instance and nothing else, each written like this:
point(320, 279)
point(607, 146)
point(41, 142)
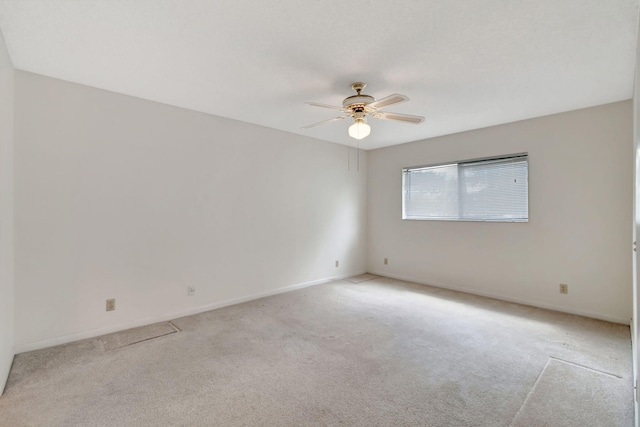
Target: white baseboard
point(538, 304)
point(5, 367)
point(21, 348)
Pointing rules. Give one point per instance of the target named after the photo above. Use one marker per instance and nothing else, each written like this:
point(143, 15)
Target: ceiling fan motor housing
point(356, 101)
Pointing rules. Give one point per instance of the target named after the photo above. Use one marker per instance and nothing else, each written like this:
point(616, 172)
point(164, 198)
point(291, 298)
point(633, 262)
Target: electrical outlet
point(386, 261)
point(564, 288)
point(191, 290)
point(111, 304)
point(337, 263)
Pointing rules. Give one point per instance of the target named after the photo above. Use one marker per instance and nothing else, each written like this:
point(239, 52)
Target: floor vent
point(362, 278)
point(137, 335)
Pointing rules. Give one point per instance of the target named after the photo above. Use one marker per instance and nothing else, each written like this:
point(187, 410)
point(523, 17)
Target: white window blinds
point(481, 190)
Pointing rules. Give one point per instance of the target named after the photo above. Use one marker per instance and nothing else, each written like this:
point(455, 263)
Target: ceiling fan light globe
point(360, 129)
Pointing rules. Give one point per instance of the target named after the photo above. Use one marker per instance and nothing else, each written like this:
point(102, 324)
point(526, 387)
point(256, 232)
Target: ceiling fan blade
point(325, 121)
point(317, 104)
point(388, 100)
point(384, 115)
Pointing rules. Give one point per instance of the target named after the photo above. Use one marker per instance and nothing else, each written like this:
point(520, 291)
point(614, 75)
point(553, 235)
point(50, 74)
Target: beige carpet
point(572, 395)
point(376, 353)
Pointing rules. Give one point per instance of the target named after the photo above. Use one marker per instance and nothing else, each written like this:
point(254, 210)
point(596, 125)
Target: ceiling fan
point(359, 106)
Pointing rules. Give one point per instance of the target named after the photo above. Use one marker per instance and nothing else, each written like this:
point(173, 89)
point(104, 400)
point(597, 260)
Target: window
point(495, 189)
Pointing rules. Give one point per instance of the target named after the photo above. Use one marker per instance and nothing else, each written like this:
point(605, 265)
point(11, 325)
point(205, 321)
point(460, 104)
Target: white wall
point(117, 197)
point(6, 214)
point(635, 330)
point(580, 210)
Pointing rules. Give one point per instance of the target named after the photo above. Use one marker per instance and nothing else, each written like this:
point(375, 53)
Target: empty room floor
point(378, 352)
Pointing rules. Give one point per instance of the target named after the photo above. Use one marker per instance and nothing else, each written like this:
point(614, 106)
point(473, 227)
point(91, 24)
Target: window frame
point(406, 169)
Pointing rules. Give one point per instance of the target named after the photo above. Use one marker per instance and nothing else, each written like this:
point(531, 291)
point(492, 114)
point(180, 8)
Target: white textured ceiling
point(464, 64)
